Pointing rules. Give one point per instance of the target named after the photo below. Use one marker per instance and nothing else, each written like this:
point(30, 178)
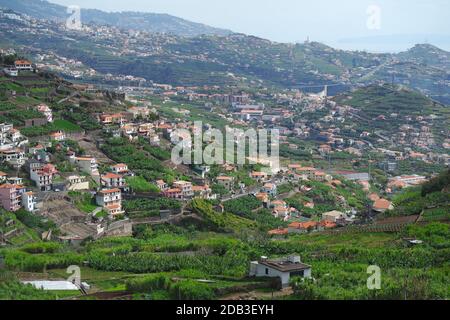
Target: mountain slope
point(222, 60)
point(428, 55)
point(150, 22)
point(386, 99)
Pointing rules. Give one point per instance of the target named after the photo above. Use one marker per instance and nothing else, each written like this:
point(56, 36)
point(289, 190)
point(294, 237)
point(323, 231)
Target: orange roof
point(280, 232)
point(303, 225)
point(328, 224)
point(259, 174)
point(110, 191)
point(11, 186)
point(374, 197)
point(382, 204)
point(22, 62)
point(307, 169)
point(200, 188)
point(225, 178)
point(111, 176)
point(176, 190)
point(262, 196)
point(113, 207)
point(2, 174)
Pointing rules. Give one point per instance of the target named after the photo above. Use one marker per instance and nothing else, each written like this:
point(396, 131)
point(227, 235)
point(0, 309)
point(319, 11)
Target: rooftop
point(285, 265)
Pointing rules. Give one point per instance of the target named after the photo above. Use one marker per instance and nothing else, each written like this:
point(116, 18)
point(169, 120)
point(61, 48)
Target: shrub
point(148, 283)
point(191, 290)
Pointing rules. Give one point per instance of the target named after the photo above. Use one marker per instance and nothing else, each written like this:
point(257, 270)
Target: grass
point(367, 240)
point(139, 184)
point(83, 201)
point(66, 126)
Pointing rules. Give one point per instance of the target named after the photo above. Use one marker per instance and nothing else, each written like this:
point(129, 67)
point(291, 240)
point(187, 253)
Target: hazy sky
point(329, 21)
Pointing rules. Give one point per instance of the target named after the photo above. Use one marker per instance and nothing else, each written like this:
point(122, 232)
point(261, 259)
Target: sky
point(374, 25)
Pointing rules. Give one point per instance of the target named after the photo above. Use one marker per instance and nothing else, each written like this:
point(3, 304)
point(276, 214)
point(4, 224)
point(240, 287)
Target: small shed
point(284, 269)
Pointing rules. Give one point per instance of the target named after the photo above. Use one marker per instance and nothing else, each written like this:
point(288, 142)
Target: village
point(107, 182)
point(146, 157)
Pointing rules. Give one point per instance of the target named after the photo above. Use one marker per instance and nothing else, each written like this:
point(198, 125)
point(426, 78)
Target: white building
point(77, 183)
point(185, 187)
point(333, 216)
point(120, 168)
point(46, 111)
point(86, 164)
point(285, 269)
point(29, 201)
point(111, 201)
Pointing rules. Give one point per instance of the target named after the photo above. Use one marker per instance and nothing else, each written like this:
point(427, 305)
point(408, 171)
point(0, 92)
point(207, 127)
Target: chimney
point(294, 259)
point(264, 258)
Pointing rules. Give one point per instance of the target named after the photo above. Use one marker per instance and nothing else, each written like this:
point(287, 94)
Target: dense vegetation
point(432, 199)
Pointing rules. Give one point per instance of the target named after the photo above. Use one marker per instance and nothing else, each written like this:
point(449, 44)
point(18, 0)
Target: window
point(298, 274)
point(267, 271)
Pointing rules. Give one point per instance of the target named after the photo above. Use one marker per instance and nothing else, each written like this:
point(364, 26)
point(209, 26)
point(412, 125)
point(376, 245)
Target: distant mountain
point(386, 99)
point(150, 22)
point(232, 59)
point(384, 109)
point(427, 54)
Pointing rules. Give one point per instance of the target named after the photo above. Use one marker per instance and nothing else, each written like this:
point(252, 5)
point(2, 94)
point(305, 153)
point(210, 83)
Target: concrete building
point(11, 196)
point(111, 201)
point(333, 216)
point(113, 180)
point(285, 269)
point(185, 187)
point(86, 164)
point(23, 65)
point(120, 168)
point(29, 201)
point(77, 183)
point(270, 189)
point(226, 182)
point(43, 176)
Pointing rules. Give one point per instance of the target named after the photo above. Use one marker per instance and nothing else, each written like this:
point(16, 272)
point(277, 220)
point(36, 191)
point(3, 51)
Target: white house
point(284, 269)
point(77, 183)
point(28, 201)
point(23, 65)
point(113, 180)
point(120, 168)
point(333, 216)
point(11, 71)
point(46, 111)
point(111, 200)
point(185, 187)
point(86, 164)
point(270, 188)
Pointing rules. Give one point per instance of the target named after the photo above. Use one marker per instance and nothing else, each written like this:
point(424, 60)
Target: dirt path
point(88, 144)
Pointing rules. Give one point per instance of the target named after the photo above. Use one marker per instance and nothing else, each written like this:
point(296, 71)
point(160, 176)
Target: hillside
point(376, 100)
point(432, 200)
point(217, 60)
point(428, 55)
point(151, 22)
point(391, 113)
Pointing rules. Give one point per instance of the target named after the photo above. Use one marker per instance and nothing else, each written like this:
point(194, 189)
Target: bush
point(41, 247)
point(191, 290)
point(149, 283)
